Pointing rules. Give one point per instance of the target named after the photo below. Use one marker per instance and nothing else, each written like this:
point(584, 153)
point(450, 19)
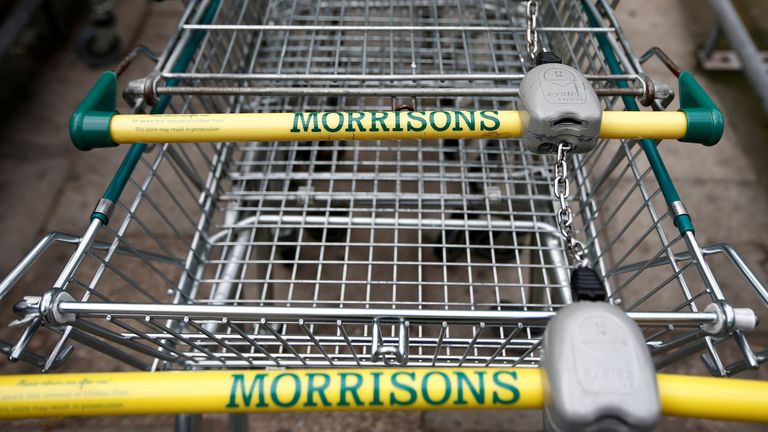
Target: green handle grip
point(89, 125)
point(705, 120)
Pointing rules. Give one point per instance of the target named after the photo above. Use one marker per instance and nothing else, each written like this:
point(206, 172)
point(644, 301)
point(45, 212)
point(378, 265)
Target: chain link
point(531, 34)
point(564, 216)
point(561, 186)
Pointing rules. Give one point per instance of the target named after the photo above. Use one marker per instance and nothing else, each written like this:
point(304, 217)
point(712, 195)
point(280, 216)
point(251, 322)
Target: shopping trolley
point(338, 213)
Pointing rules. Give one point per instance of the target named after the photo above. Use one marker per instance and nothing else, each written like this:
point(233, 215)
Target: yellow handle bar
point(126, 393)
point(328, 126)
point(95, 123)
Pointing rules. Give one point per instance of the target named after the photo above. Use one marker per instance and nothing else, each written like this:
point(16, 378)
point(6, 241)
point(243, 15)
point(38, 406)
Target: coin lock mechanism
point(558, 105)
point(599, 373)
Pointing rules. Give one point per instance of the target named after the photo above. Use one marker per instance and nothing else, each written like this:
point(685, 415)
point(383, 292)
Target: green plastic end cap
point(705, 120)
point(89, 125)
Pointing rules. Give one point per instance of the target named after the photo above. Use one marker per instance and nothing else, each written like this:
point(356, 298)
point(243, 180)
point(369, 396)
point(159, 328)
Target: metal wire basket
point(363, 253)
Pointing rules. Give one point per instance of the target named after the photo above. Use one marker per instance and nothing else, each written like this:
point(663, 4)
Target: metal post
point(742, 43)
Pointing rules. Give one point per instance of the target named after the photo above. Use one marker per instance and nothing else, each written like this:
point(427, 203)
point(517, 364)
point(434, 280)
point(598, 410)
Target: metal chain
point(562, 191)
point(531, 34)
point(562, 188)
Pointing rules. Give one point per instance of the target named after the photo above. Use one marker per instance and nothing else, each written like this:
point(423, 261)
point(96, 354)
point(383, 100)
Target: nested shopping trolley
point(387, 205)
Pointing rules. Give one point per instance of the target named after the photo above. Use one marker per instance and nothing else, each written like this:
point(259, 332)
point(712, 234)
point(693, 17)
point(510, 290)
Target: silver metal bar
point(557, 266)
point(500, 350)
point(94, 343)
point(214, 338)
point(374, 28)
point(741, 265)
point(360, 221)
point(172, 56)
point(354, 315)
point(345, 77)
point(347, 341)
point(266, 340)
point(321, 363)
point(18, 349)
point(162, 343)
point(439, 344)
point(745, 47)
point(84, 326)
point(179, 337)
point(743, 365)
point(286, 345)
point(472, 344)
point(20, 269)
point(314, 340)
point(726, 249)
point(66, 273)
point(703, 267)
point(369, 91)
point(251, 341)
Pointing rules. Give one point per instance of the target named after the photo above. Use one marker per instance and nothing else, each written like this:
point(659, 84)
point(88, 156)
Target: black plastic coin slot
point(568, 122)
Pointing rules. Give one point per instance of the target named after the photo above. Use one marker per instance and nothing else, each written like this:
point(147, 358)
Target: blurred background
point(51, 52)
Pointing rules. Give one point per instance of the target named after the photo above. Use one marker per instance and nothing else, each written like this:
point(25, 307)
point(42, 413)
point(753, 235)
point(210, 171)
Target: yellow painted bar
point(125, 393)
point(643, 124)
point(327, 126)
point(714, 398)
point(130, 393)
point(311, 126)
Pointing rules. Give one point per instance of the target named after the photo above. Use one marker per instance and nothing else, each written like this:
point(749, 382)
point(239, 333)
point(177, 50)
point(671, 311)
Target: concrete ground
point(45, 185)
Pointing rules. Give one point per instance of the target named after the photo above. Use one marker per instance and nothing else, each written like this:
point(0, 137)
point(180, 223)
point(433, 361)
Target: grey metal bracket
point(720, 60)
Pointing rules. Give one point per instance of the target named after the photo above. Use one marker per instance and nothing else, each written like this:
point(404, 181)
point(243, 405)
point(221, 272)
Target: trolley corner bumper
point(89, 125)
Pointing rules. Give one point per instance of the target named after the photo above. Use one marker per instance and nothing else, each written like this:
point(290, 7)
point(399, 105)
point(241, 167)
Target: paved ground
point(45, 185)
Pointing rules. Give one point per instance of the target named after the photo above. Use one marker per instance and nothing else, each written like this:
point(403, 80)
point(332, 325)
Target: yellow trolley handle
point(95, 123)
point(377, 125)
point(132, 393)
